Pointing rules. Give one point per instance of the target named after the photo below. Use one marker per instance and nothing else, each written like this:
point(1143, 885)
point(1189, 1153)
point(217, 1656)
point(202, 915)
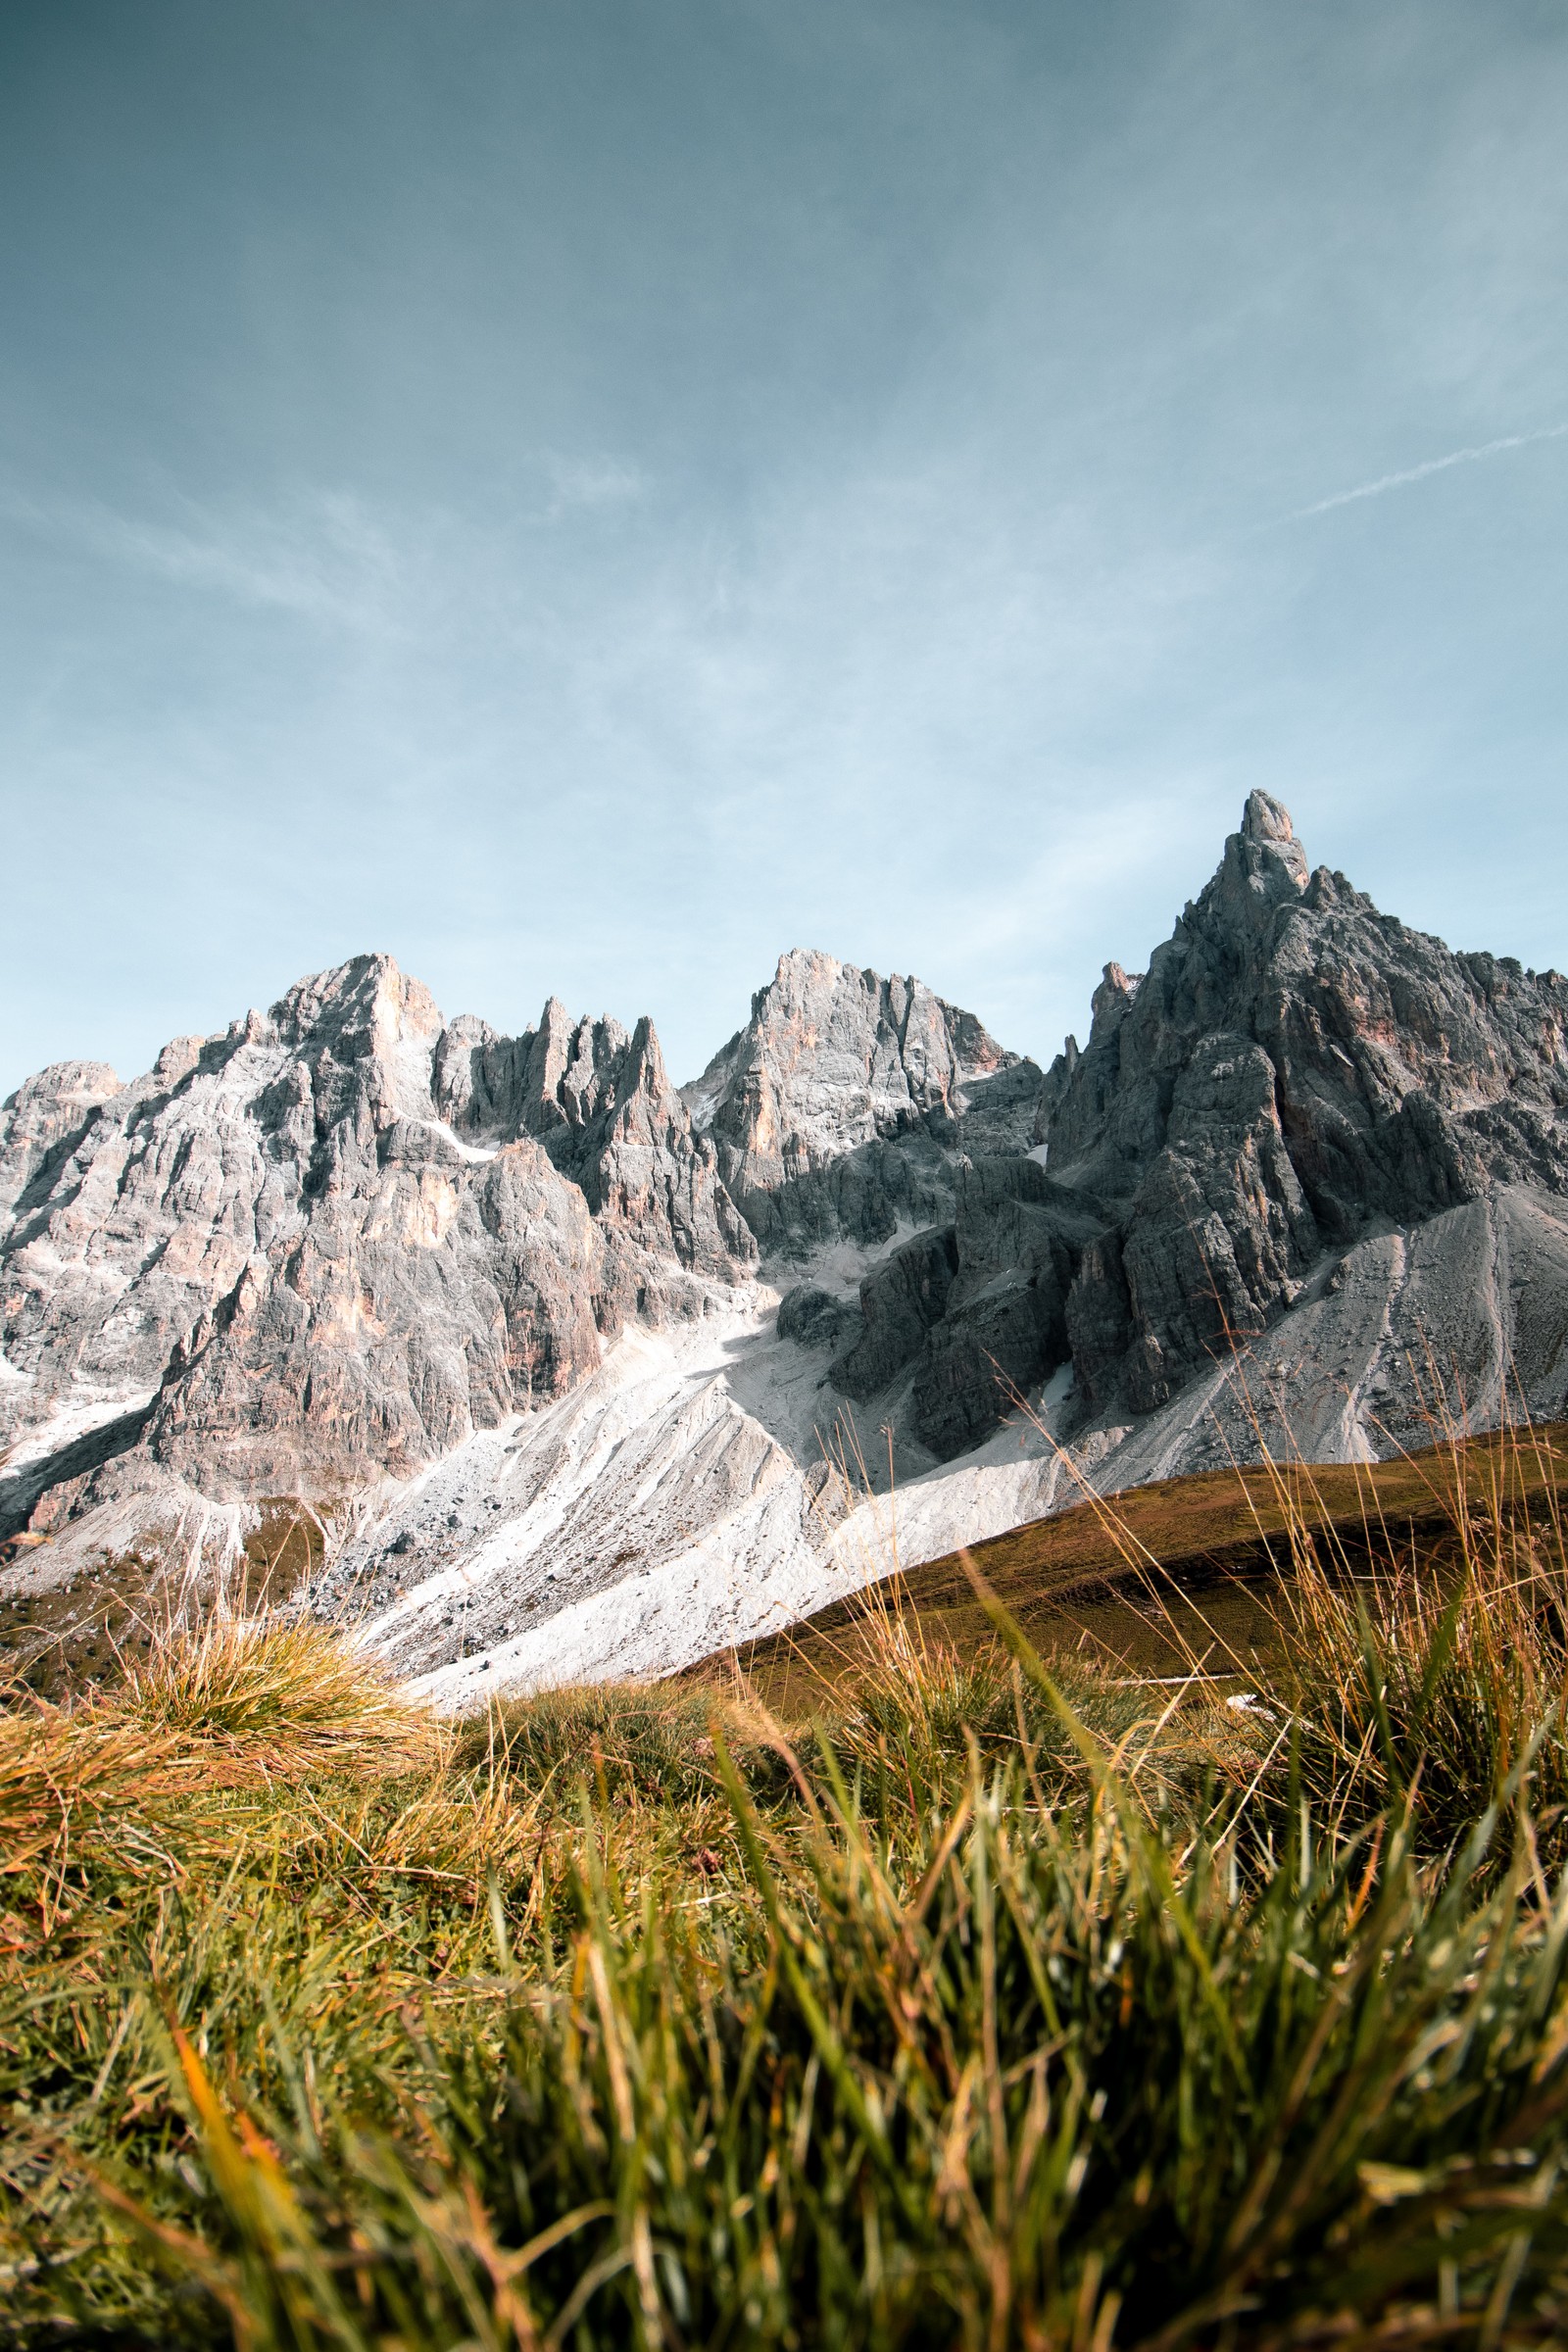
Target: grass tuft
point(273, 1697)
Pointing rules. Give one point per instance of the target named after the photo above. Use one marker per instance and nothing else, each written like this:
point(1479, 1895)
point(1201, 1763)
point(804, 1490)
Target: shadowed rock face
point(840, 1108)
point(1018, 1241)
point(900, 1303)
point(337, 1238)
point(1292, 1068)
point(1294, 1072)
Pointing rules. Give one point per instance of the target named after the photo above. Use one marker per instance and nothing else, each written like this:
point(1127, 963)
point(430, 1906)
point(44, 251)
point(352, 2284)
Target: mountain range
point(582, 1373)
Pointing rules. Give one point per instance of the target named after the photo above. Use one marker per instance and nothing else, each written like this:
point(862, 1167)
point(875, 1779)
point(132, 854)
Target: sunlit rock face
point(846, 1103)
point(336, 1239)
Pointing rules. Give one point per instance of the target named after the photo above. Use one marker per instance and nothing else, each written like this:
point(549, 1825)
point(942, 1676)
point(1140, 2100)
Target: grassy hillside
point(971, 2003)
point(1188, 1570)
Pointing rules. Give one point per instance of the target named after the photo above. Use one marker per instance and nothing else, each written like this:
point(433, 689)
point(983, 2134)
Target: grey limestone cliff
point(338, 1237)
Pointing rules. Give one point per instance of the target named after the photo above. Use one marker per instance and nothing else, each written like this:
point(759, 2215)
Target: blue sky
point(587, 496)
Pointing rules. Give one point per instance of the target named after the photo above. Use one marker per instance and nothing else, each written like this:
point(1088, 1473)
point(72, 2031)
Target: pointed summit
point(1296, 1069)
point(1265, 818)
point(1266, 822)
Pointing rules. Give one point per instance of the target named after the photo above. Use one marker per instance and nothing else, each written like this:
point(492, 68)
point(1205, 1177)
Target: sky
point(585, 494)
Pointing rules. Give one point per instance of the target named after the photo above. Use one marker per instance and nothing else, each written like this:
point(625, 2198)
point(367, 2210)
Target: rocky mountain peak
point(1294, 1066)
point(1294, 1072)
point(42, 1116)
point(837, 1065)
point(600, 1101)
point(364, 1008)
point(1266, 822)
point(1264, 860)
point(178, 1059)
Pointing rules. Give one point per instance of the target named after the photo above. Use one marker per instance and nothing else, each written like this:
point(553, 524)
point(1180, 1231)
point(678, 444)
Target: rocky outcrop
point(839, 1109)
point(43, 1120)
point(1018, 1239)
point(1294, 1067)
point(815, 1318)
point(336, 1240)
point(901, 1301)
point(600, 1104)
point(973, 1311)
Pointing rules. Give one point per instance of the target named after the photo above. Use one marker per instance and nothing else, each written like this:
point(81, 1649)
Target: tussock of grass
point(123, 1780)
point(1430, 1684)
point(1425, 1676)
point(627, 1739)
point(274, 1696)
point(72, 1791)
point(974, 2010)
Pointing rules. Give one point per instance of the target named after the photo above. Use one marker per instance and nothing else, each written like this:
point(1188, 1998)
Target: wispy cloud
point(593, 482)
point(1419, 473)
point(325, 559)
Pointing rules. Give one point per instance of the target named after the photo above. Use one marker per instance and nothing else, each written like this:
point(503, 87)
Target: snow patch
point(76, 1415)
point(473, 1153)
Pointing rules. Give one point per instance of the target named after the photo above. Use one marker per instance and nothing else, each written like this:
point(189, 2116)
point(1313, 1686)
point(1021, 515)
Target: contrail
point(1418, 473)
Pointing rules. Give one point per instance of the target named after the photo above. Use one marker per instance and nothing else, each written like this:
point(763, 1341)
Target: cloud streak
point(593, 482)
point(329, 561)
point(1419, 473)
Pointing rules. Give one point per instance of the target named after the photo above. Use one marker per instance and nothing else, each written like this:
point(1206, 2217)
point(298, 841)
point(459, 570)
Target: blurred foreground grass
point(994, 2004)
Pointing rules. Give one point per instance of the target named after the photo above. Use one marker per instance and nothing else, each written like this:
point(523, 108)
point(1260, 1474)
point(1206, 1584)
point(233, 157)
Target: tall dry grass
point(1429, 1675)
point(981, 2005)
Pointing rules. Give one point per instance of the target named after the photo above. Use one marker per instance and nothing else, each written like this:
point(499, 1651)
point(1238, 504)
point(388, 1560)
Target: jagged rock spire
point(1266, 822)
point(1293, 1067)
